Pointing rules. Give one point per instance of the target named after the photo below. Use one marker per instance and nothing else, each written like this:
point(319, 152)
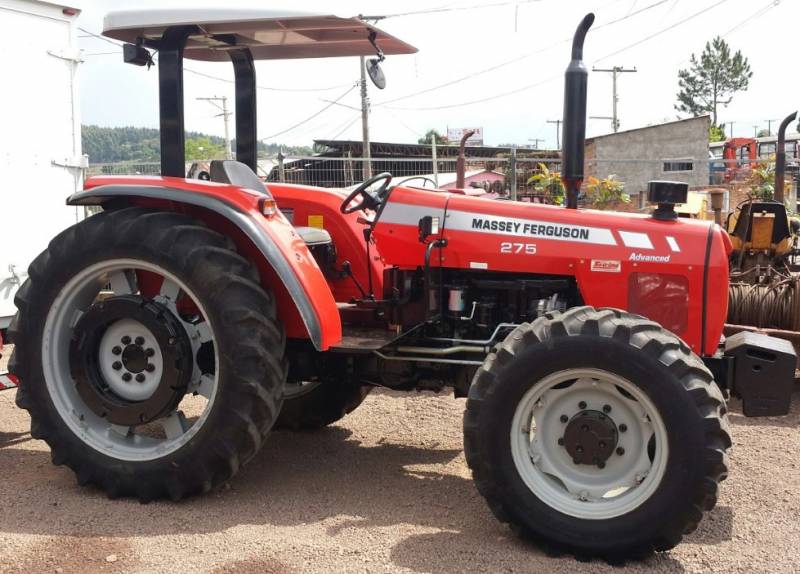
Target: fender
point(274, 239)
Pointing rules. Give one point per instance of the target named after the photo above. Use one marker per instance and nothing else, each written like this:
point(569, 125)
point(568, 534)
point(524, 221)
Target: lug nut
point(149, 352)
point(126, 340)
point(582, 405)
point(623, 427)
point(140, 378)
point(116, 350)
point(139, 340)
point(606, 408)
point(150, 368)
point(620, 451)
point(116, 365)
point(126, 377)
point(601, 464)
point(564, 418)
point(560, 441)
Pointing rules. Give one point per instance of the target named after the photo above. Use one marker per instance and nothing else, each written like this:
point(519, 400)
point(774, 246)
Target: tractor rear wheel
point(150, 356)
point(598, 433)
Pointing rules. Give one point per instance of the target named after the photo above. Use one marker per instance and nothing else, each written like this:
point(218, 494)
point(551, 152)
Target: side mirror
point(376, 73)
point(428, 226)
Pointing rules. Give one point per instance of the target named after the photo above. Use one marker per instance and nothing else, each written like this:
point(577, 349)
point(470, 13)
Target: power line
point(210, 76)
point(312, 116)
point(537, 84)
point(442, 9)
point(663, 30)
point(769, 6)
point(516, 59)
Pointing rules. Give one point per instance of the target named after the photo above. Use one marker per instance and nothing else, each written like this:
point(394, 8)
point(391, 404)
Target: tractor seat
point(314, 236)
point(235, 173)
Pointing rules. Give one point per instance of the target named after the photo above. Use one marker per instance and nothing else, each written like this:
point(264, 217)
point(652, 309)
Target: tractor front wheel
point(598, 433)
point(151, 359)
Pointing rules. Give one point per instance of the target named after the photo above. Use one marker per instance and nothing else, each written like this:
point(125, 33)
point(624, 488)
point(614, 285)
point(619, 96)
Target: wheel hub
point(131, 360)
point(590, 438)
point(134, 358)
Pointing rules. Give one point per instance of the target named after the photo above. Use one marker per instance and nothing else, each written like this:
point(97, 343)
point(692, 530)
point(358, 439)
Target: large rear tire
point(127, 318)
point(598, 433)
point(318, 392)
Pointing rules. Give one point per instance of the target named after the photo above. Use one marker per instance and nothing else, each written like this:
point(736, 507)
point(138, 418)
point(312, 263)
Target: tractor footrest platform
point(364, 340)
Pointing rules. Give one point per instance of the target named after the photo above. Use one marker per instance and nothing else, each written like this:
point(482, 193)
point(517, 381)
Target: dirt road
point(387, 490)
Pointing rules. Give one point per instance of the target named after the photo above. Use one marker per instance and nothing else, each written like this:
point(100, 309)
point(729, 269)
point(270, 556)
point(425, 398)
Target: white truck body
point(40, 136)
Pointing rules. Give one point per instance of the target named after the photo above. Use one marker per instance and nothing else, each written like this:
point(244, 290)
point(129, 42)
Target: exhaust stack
point(573, 135)
point(780, 156)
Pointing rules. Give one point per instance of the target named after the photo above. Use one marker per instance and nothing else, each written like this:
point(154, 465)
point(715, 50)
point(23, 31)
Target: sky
point(504, 62)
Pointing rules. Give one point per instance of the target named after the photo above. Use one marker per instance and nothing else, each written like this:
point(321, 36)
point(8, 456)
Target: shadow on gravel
point(448, 552)
point(8, 439)
point(792, 420)
point(715, 528)
point(298, 478)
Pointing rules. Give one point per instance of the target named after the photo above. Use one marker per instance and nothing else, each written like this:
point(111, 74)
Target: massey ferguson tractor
point(159, 341)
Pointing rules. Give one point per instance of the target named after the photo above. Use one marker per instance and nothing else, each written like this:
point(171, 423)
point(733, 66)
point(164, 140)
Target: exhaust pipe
point(461, 162)
point(573, 135)
point(780, 157)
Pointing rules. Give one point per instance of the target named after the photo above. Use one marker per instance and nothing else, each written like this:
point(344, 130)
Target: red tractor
point(159, 341)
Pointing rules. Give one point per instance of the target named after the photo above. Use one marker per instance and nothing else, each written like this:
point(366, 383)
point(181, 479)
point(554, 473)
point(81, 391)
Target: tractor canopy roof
point(267, 34)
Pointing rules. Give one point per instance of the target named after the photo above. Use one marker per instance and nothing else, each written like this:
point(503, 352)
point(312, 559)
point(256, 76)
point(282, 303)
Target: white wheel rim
point(122, 442)
point(581, 490)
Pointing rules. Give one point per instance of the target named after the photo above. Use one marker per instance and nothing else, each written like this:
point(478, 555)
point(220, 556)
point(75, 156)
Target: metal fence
point(515, 176)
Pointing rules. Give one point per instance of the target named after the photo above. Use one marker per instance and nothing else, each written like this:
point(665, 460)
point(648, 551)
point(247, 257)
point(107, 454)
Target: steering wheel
point(368, 200)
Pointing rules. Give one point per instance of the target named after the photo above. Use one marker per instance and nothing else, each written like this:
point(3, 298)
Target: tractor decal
point(478, 223)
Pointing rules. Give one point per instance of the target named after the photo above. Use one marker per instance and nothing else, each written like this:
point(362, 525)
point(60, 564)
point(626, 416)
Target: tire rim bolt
point(126, 377)
point(140, 378)
point(150, 367)
point(561, 441)
point(623, 427)
point(139, 341)
point(606, 408)
point(116, 365)
point(126, 340)
point(620, 451)
point(117, 350)
point(564, 419)
point(601, 464)
point(582, 405)
point(150, 352)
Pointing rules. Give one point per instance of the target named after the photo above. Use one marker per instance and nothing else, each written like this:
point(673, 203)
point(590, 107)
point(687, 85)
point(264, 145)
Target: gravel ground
point(385, 490)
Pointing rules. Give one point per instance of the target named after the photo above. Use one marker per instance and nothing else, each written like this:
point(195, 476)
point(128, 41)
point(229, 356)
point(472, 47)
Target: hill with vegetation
point(143, 145)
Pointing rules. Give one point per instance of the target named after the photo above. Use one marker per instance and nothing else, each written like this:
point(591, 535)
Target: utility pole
point(730, 135)
point(226, 115)
point(536, 142)
point(614, 72)
point(366, 170)
point(435, 160)
point(558, 132)
point(769, 126)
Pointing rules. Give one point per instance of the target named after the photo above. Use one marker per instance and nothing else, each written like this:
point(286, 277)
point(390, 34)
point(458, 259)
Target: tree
point(606, 193)
point(713, 80)
point(716, 133)
point(429, 135)
point(548, 184)
point(203, 148)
